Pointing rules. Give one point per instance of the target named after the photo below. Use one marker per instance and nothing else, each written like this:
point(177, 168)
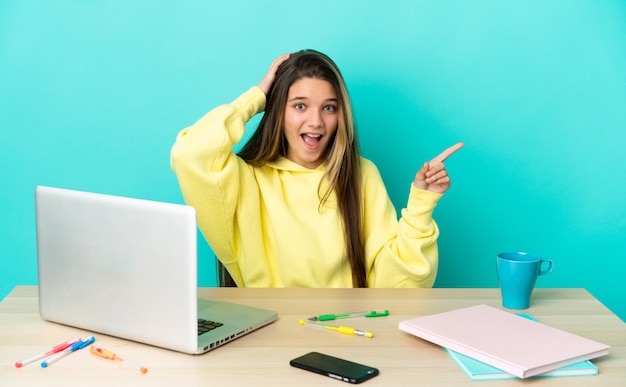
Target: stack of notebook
point(488, 343)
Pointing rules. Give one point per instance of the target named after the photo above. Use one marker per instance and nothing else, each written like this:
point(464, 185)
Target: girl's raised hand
point(268, 79)
point(433, 175)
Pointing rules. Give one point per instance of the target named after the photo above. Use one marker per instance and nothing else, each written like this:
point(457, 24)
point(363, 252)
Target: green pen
point(367, 313)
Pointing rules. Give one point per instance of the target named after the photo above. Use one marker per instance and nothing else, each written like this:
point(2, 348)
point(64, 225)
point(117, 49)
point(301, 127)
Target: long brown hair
point(343, 162)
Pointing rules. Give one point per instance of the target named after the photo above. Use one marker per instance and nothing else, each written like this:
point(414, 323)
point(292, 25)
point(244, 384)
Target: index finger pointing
point(447, 153)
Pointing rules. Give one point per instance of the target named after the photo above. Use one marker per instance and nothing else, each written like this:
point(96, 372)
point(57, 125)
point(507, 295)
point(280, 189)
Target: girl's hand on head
point(268, 79)
point(433, 175)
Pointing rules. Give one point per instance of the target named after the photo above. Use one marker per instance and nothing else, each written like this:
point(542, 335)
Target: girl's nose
point(315, 118)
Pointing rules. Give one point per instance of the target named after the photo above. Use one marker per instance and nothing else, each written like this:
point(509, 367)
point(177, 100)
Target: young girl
point(298, 206)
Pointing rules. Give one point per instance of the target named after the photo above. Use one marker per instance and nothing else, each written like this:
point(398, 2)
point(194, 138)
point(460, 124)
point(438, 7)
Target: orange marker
point(110, 355)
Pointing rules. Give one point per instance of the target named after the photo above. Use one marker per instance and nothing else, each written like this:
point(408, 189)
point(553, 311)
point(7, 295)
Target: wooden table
point(262, 357)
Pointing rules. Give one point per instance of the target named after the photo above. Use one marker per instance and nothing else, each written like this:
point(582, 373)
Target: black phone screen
point(334, 367)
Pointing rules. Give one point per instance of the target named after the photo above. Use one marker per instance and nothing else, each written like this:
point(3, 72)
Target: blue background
point(93, 94)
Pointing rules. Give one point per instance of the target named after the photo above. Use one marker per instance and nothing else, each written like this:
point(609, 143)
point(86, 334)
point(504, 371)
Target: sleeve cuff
point(250, 103)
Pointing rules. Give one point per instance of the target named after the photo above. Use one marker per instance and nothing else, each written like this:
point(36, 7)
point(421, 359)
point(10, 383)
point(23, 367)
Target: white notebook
point(504, 340)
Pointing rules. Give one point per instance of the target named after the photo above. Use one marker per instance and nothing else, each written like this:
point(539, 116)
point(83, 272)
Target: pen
point(105, 353)
point(367, 313)
point(51, 351)
point(74, 347)
point(340, 329)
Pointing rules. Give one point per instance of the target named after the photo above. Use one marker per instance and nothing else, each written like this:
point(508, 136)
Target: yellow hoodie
point(266, 226)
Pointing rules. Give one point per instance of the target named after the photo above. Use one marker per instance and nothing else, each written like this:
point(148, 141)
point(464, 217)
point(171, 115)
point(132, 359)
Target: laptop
point(128, 268)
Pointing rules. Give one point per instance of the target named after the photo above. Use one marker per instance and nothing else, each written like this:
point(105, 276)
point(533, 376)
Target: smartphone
point(334, 367)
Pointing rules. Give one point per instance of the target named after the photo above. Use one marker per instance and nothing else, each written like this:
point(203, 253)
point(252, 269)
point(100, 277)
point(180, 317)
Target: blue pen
point(75, 347)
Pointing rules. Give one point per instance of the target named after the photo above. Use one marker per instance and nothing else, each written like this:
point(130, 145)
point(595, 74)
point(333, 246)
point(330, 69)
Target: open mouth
point(311, 140)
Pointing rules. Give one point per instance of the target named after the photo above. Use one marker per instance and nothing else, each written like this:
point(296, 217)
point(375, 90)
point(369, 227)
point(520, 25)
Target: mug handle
point(548, 269)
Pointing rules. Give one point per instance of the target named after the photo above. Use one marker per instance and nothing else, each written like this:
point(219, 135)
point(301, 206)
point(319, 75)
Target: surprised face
point(311, 118)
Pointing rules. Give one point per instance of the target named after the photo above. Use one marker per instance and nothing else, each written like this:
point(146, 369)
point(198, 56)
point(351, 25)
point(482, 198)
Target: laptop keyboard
point(206, 325)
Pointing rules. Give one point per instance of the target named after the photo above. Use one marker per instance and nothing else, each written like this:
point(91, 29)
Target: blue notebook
point(477, 370)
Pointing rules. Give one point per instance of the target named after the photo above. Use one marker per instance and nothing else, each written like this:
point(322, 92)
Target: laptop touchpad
point(205, 304)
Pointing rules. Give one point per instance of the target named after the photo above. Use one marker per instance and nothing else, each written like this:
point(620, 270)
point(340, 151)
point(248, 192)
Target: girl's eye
point(299, 106)
point(330, 108)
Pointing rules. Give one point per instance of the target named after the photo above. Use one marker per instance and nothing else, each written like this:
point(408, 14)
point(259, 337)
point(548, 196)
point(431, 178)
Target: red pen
point(51, 351)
